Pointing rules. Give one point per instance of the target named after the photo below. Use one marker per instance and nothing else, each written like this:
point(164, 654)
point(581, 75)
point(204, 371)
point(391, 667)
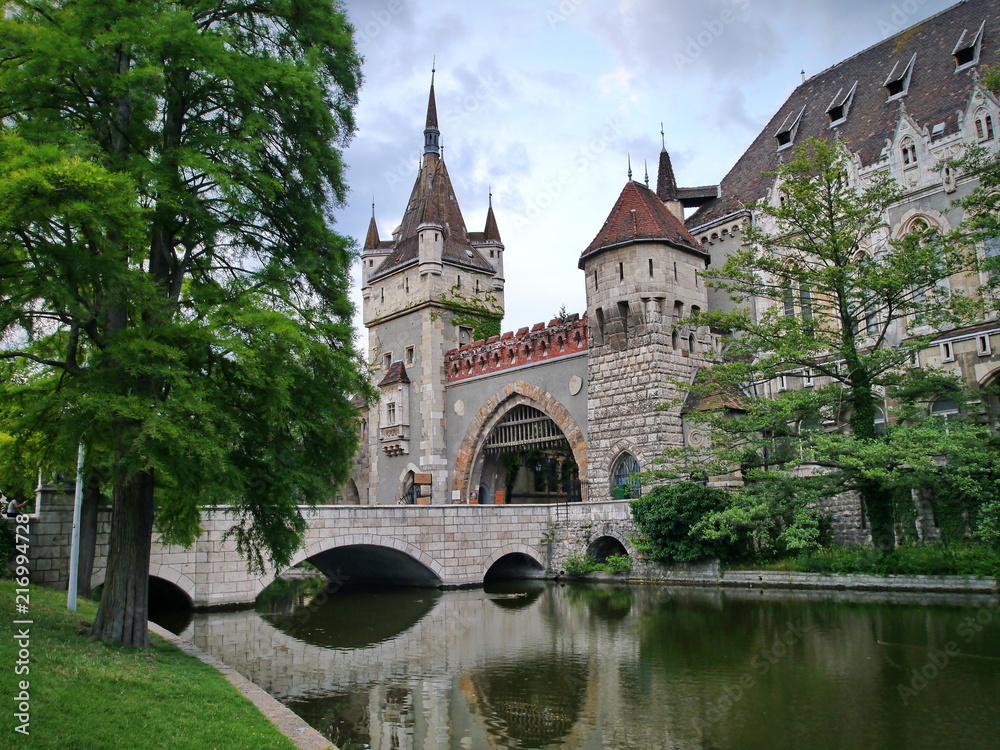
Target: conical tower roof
point(640, 216)
point(432, 201)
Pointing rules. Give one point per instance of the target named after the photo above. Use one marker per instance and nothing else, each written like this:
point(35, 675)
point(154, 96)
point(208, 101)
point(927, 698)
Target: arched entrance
point(524, 447)
point(527, 459)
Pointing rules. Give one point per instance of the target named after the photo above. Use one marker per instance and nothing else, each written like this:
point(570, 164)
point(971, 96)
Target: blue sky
point(542, 101)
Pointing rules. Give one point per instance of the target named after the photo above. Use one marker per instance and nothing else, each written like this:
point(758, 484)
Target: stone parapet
point(561, 337)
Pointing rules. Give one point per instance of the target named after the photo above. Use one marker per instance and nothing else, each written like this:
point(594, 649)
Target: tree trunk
point(123, 614)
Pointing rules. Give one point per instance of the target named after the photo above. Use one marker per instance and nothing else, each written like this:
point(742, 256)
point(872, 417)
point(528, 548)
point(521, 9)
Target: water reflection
point(537, 665)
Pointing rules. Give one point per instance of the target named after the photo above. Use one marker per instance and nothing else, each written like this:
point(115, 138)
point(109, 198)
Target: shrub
point(619, 563)
point(578, 564)
point(666, 516)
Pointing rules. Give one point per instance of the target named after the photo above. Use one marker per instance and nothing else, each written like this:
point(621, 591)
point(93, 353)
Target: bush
point(911, 559)
point(619, 564)
point(577, 564)
point(666, 516)
point(8, 549)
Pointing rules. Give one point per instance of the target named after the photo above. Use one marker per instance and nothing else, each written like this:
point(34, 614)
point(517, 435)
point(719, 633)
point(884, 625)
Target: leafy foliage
point(171, 288)
point(821, 367)
point(668, 517)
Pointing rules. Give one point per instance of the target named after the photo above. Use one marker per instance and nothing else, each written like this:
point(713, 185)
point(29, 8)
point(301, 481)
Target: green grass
point(87, 695)
point(965, 559)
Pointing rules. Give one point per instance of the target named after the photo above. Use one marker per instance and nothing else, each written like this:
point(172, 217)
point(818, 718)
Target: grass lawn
point(86, 695)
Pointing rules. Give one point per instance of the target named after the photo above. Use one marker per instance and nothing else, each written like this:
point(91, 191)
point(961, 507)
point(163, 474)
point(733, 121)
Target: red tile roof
point(639, 216)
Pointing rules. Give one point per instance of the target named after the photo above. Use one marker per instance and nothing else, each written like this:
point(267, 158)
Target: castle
point(567, 410)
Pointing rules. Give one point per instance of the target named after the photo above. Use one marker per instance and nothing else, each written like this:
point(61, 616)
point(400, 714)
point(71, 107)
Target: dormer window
point(786, 133)
point(841, 104)
point(898, 81)
point(909, 151)
point(966, 52)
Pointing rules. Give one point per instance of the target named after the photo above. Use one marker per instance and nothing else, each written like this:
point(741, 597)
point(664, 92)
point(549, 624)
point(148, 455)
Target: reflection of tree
point(603, 603)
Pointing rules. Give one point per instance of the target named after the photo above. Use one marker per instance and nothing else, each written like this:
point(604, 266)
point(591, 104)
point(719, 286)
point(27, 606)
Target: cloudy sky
point(542, 101)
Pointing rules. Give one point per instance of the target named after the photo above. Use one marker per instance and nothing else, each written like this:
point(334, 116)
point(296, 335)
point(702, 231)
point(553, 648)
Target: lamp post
point(74, 553)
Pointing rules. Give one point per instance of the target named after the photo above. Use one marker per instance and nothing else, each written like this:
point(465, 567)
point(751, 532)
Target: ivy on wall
point(482, 314)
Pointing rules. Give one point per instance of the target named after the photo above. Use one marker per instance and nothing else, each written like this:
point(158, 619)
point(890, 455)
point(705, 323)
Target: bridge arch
point(165, 572)
point(468, 463)
point(318, 547)
point(529, 559)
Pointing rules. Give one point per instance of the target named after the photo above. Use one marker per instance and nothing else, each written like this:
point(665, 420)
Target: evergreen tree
point(172, 292)
point(821, 364)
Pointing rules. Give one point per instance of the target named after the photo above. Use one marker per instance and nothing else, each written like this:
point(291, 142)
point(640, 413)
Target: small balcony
point(395, 439)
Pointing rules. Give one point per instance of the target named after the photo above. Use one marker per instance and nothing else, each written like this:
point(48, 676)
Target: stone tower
point(642, 281)
point(431, 288)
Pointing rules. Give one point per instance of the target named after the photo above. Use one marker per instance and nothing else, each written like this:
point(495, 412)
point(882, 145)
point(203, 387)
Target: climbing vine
point(482, 314)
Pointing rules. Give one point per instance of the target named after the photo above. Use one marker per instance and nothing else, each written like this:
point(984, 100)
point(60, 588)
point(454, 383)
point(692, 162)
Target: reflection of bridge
point(425, 545)
point(465, 668)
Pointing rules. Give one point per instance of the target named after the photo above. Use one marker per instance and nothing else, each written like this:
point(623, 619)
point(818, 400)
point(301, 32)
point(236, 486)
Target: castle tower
point(641, 279)
point(431, 288)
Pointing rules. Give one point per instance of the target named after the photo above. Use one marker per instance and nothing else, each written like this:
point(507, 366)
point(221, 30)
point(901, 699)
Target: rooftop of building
point(860, 99)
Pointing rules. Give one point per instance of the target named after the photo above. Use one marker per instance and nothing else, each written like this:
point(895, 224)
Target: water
point(535, 665)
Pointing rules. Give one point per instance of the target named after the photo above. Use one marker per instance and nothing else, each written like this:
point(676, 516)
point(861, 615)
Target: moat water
point(542, 665)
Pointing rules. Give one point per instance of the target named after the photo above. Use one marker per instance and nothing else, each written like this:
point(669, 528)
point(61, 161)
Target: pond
point(546, 665)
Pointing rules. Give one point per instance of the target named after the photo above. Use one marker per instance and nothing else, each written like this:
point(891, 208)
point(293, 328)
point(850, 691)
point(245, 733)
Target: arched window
point(946, 408)
point(909, 151)
point(625, 478)
point(409, 494)
point(879, 421)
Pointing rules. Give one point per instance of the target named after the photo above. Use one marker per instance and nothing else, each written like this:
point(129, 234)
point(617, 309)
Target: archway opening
point(516, 565)
point(604, 547)
point(527, 459)
point(169, 605)
point(367, 564)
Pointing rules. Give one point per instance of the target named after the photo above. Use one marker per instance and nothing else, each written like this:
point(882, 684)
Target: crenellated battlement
point(562, 336)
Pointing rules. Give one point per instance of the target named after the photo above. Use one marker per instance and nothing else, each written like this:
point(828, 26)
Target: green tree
point(830, 301)
point(172, 291)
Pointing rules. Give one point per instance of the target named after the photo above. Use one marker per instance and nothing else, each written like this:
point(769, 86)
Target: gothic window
point(625, 479)
point(390, 413)
point(984, 125)
point(909, 151)
point(788, 300)
point(945, 408)
point(879, 421)
point(464, 335)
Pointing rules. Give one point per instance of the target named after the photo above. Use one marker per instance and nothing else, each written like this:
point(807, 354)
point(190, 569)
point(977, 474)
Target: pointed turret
point(492, 231)
point(432, 136)
point(639, 217)
point(666, 183)
point(372, 239)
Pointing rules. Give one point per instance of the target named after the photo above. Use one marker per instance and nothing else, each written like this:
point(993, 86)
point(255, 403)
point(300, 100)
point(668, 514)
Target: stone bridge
point(420, 545)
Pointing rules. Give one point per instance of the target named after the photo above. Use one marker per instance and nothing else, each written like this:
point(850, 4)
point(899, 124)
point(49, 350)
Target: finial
point(646, 167)
point(803, 73)
point(433, 68)
point(491, 195)
point(373, 206)
point(663, 138)
point(629, 167)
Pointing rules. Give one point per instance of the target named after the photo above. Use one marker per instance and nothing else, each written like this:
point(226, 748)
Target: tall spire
point(666, 184)
point(629, 167)
point(432, 136)
point(492, 231)
point(372, 239)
